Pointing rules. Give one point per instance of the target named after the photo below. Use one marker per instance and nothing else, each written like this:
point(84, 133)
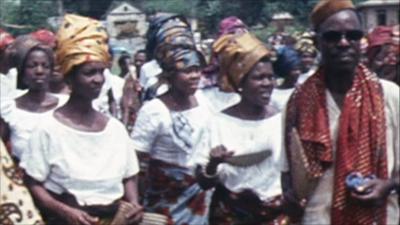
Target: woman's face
point(37, 70)
point(294, 73)
point(258, 84)
point(56, 76)
point(88, 80)
point(186, 81)
point(307, 61)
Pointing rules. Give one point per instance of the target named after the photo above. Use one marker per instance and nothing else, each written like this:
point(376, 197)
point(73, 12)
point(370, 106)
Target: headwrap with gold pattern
point(305, 44)
point(177, 58)
point(326, 8)
point(80, 39)
point(237, 55)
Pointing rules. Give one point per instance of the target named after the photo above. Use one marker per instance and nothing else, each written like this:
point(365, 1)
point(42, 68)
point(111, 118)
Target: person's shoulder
point(114, 124)
point(154, 107)
point(48, 125)
point(390, 90)
point(150, 65)
point(276, 118)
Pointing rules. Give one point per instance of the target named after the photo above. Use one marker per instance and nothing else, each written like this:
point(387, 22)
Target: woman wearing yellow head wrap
point(249, 190)
point(81, 165)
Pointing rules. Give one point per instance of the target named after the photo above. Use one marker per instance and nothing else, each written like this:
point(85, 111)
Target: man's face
point(339, 41)
point(140, 59)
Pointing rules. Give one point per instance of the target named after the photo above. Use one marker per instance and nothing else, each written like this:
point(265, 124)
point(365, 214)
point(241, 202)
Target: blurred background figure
point(57, 84)
point(288, 67)
point(131, 102)
point(308, 55)
point(124, 62)
point(384, 52)
point(139, 59)
point(8, 77)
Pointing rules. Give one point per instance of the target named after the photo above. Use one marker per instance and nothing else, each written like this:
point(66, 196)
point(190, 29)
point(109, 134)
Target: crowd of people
point(303, 131)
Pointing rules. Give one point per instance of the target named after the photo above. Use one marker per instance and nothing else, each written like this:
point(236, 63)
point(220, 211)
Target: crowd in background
point(255, 133)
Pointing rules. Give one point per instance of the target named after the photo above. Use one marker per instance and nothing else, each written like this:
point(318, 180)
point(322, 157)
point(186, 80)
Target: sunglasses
point(336, 36)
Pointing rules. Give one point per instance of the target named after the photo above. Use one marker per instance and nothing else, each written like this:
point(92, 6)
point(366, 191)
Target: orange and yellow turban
point(237, 55)
point(79, 40)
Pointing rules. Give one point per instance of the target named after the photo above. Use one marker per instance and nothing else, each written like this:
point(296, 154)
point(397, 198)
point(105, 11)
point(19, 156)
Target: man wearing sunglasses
point(344, 123)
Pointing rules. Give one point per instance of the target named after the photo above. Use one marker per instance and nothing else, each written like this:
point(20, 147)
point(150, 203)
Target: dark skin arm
point(378, 191)
point(131, 196)
point(218, 155)
point(72, 215)
point(292, 205)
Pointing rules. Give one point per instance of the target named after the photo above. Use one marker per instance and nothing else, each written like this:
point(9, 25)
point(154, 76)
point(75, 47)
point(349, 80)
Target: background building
point(379, 12)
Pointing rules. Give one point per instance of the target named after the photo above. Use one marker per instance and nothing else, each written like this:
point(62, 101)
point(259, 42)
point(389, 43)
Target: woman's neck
point(247, 110)
point(36, 96)
point(288, 84)
point(59, 88)
point(181, 101)
point(80, 106)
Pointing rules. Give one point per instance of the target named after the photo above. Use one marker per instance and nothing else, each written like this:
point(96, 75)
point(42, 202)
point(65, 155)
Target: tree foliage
point(34, 13)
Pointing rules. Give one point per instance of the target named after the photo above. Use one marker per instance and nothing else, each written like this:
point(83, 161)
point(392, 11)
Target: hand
point(135, 215)
point(376, 192)
point(292, 206)
point(217, 155)
point(78, 217)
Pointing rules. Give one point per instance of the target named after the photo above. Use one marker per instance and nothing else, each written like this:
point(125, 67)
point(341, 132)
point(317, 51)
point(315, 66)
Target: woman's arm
point(207, 177)
point(131, 190)
point(43, 197)
point(131, 195)
point(293, 207)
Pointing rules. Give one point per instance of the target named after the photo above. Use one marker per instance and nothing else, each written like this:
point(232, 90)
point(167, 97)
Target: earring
point(240, 90)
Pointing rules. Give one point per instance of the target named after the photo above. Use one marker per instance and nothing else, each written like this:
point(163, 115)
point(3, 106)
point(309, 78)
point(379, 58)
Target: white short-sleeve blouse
point(89, 165)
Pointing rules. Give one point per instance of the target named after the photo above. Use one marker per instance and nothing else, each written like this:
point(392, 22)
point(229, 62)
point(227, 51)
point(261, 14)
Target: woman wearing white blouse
point(245, 139)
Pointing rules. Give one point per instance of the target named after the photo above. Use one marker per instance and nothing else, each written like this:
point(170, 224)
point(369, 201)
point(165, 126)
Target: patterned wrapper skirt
point(245, 208)
point(173, 192)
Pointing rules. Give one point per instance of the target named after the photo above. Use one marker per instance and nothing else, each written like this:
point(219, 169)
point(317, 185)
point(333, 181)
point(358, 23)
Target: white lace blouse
point(244, 137)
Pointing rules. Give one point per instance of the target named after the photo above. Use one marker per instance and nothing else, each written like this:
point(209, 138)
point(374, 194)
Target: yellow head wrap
point(80, 39)
point(237, 55)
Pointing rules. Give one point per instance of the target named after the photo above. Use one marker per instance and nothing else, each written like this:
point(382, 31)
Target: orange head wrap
point(79, 40)
point(46, 37)
point(237, 56)
point(326, 8)
point(5, 39)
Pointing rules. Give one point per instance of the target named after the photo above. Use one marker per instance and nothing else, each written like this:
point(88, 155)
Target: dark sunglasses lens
point(354, 35)
point(332, 36)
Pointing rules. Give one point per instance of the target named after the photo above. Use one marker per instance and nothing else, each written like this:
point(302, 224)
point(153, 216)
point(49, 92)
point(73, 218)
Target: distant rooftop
point(282, 16)
point(371, 3)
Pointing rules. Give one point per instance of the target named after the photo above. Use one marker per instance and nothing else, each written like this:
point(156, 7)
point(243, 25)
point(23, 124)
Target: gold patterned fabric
point(80, 39)
point(237, 55)
point(16, 205)
point(305, 44)
point(326, 8)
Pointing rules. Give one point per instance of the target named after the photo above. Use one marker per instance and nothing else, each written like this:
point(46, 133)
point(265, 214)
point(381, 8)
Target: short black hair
point(141, 51)
point(122, 58)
